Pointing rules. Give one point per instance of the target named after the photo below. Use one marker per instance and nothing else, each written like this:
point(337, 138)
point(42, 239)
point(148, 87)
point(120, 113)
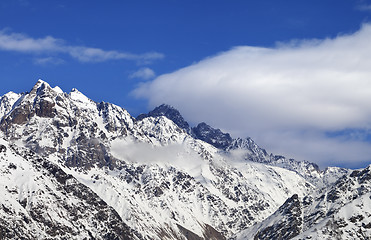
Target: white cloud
point(22, 43)
point(143, 73)
point(286, 98)
point(85, 54)
point(178, 155)
point(48, 61)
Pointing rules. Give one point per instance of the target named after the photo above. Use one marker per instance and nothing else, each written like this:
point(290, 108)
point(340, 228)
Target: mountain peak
point(74, 90)
point(39, 87)
point(169, 112)
point(165, 106)
point(80, 97)
point(165, 109)
point(212, 136)
point(7, 102)
point(40, 81)
point(58, 90)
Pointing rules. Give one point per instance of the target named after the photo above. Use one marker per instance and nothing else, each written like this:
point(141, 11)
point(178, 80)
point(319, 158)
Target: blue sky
point(137, 53)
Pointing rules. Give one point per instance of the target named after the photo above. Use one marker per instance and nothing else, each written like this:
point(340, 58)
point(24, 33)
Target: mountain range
point(72, 168)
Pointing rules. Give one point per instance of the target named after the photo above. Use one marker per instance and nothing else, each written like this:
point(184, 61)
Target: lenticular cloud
point(296, 92)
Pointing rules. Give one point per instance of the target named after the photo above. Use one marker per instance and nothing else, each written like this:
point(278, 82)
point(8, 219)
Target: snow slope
point(40, 201)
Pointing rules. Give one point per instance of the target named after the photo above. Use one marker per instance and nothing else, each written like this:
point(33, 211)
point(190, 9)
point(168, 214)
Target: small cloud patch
point(48, 61)
point(143, 73)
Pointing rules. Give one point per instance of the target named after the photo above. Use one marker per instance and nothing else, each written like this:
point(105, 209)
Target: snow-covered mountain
point(247, 148)
point(154, 176)
point(41, 201)
point(342, 211)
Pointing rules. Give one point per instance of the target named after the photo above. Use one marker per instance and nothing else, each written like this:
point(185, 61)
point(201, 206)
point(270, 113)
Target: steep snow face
point(192, 193)
point(343, 211)
point(159, 131)
point(7, 102)
point(40, 201)
point(81, 100)
point(247, 149)
point(340, 212)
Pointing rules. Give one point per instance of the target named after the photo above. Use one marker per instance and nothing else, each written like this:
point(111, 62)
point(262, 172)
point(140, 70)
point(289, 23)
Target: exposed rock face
point(2, 148)
point(289, 223)
point(212, 136)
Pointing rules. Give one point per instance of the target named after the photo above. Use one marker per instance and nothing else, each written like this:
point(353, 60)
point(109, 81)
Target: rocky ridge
point(247, 148)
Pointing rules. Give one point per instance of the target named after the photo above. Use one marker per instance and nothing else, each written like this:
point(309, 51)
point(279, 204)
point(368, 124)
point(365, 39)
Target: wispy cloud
point(288, 98)
point(172, 155)
point(21, 43)
point(48, 61)
point(85, 54)
point(364, 7)
point(143, 73)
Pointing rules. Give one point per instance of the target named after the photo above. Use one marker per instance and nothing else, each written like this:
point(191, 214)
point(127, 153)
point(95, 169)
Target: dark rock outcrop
point(212, 136)
point(289, 224)
point(169, 112)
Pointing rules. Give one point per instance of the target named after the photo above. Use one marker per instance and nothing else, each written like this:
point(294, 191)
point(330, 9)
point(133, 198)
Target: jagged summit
point(42, 86)
point(40, 101)
point(202, 131)
point(40, 82)
point(247, 148)
point(48, 121)
point(169, 112)
point(211, 135)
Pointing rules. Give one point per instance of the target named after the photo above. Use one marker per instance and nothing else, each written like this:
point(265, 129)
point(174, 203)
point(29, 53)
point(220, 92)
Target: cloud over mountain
point(297, 98)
